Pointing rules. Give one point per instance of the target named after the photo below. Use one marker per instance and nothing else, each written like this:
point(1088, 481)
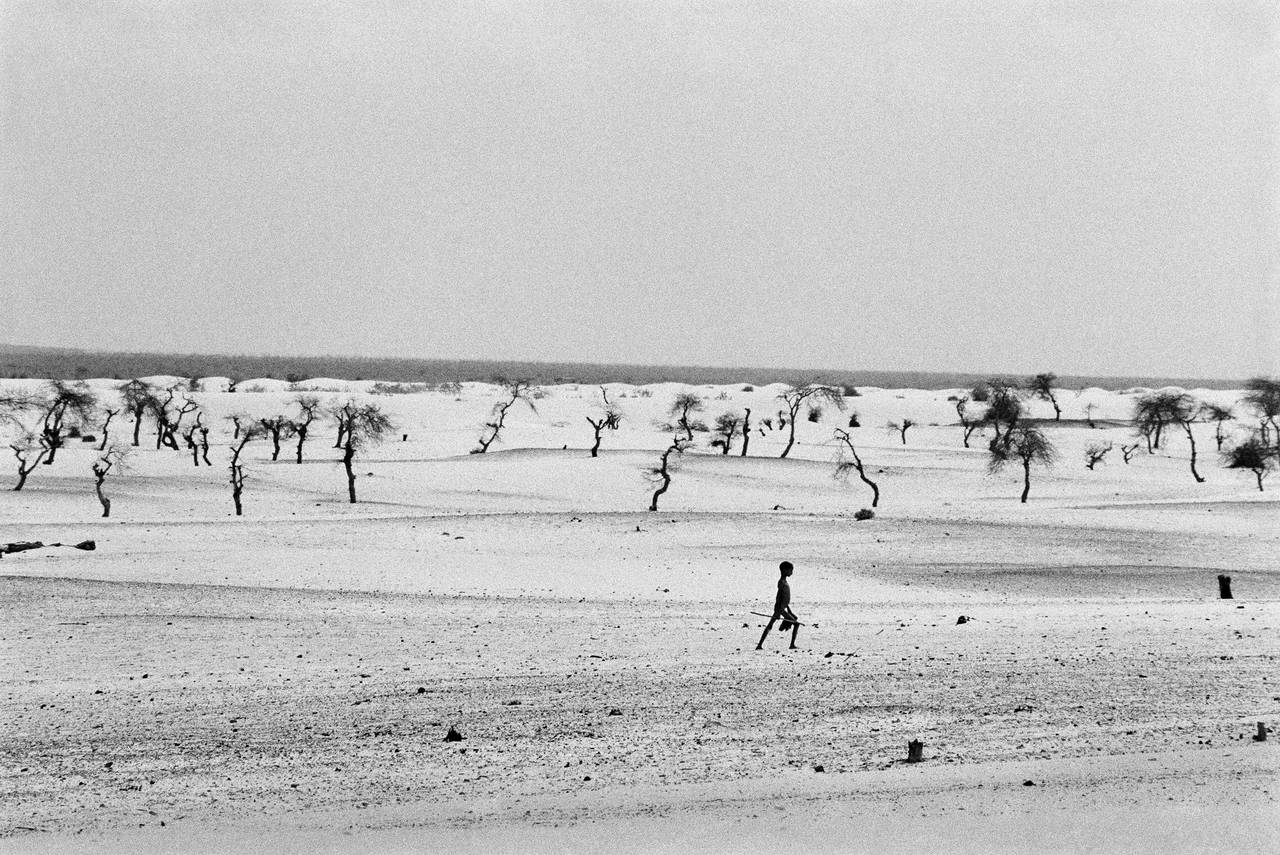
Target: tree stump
point(915, 751)
point(1224, 586)
point(1261, 735)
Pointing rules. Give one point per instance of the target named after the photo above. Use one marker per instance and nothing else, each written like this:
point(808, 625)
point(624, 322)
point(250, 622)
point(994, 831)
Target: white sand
point(283, 651)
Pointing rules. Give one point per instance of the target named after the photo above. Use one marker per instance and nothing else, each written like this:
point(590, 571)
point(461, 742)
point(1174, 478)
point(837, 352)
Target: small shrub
point(644, 393)
point(980, 393)
point(815, 414)
point(850, 391)
point(397, 388)
point(865, 514)
point(748, 388)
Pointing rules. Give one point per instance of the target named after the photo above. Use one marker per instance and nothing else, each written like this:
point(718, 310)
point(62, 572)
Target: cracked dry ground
point(132, 704)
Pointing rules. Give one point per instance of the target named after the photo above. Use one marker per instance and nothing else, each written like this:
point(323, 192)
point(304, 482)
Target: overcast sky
point(1078, 187)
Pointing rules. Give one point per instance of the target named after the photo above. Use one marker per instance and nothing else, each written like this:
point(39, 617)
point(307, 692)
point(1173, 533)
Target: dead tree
point(106, 424)
point(726, 429)
point(29, 451)
point(112, 458)
point(900, 428)
point(308, 412)
point(1186, 414)
point(66, 405)
point(275, 427)
point(190, 439)
point(1126, 451)
point(746, 433)
point(1089, 409)
point(814, 393)
point(237, 467)
point(1220, 415)
point(204, 444)
point(685, 405)
point(136, 397)
point(1026, 444)
point(662, 472)
point(1262, 395)
point(1094, 454)
point(610, 418)
point(514, 390)
point(967, 422)
point(853, 462)
point(1041, 386)
point(365, 426)
point(1254, 454)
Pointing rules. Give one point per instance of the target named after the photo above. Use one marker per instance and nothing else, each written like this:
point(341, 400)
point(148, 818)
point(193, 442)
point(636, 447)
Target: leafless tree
point(1004, 406)
point(65, 405)
point(276, 427)
point(109, 459)
point(795, 396)
point(1026, 444)
point(29, 450)
point(684, 406)
point(727, 425)
point(136, 397)
point(1152, 412)
point(513, 391)
point(1262, 395)
point(308, 412)
point(1220, 415)
point(900, 428)
point(190, 438)
point(247, 435)
point(1089, 409)
point(746, 433)
point(662, 472)
point(1041, 386)
point(169, 416)
point(609, 419)
point(848, 460)
point(1185, 410)
point(366, 425)
point(106, 426)
point(1254, 454)
point(967, 422)
point(1094, 454)
point(1126, 451)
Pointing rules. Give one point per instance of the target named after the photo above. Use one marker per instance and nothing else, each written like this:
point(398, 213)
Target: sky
point(1079, 187)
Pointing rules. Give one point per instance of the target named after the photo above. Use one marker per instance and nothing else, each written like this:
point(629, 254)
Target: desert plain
point(285, 680)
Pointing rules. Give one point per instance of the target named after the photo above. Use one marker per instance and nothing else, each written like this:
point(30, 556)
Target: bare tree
point(247, 435)
point(1262, 395)
point(813, 393)
point(193, 444)
point(1126, 451)
point(136, 397)
point(685, 405)
point(853, 463)
point(1004, 406)
point(168, 419)
point(1219, 414)
point(1152, 412)
point(66, 405)
point(112, 458)
point(308, 412)
point(727, 425)
point(1026, 444)
point(967, 422)
point(1041, 386)
point(1094, 454)
point(276, 427)
point(1185, 410)
point(662, 472)
point(513, 391)
point(1089, 409)
point(365, 426)
point(1253, 454)
point(900, 428)
point(29, 451)
point(106, 426)
point(610, 418)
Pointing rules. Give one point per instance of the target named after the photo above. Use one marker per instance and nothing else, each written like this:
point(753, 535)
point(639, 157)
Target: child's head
point(785, 568)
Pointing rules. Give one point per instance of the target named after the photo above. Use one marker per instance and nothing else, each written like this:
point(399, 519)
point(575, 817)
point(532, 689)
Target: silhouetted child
point(782, 608)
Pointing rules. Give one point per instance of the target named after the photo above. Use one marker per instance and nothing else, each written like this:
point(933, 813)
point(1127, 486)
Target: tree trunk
point(1217, 435)
point(1026, 480)
point(105, 425)
point(666, 482)
point(302, 437)
point(235, 497)
point(1257, 473)
point(106, 503)
point(137, 426)
point(1057, 411)
point(347, 457)
point(746, 434)
point(1191, 438)
point(22, 479)
point(1224, 586)
point(791, 440)
point(597, 428)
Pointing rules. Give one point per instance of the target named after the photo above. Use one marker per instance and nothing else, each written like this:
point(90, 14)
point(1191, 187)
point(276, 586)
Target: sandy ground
point(284, 681)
